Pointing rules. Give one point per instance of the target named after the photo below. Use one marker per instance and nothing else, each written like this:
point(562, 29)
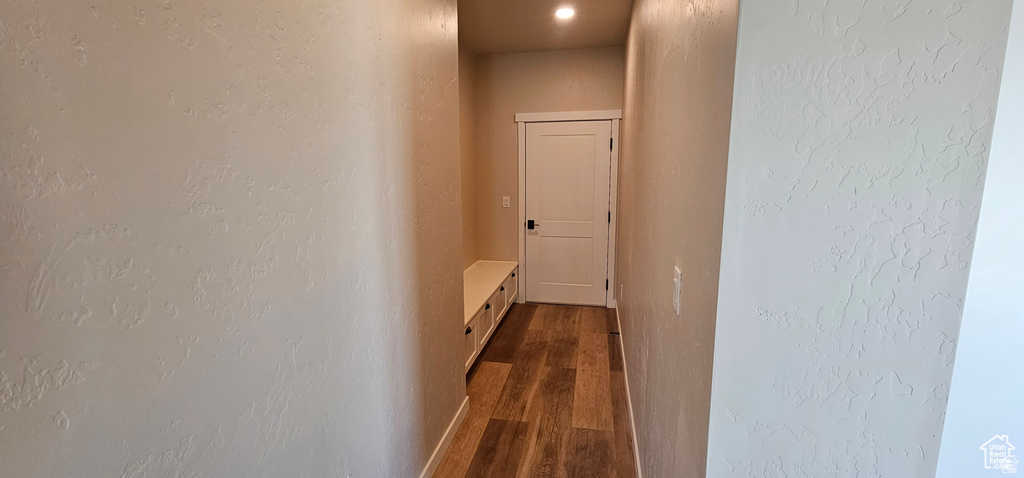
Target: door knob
point(531, 224)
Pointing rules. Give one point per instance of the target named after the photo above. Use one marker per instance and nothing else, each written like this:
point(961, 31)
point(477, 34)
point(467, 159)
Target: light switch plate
point(506, 201)
point(677, 287)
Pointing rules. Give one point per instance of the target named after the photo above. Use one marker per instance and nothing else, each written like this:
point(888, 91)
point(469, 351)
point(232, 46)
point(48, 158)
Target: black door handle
point(488, 307)
point(469, 330)
point(502, 289)
point(530, 224)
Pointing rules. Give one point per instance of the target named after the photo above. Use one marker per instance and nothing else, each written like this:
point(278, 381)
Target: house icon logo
point(999, 454)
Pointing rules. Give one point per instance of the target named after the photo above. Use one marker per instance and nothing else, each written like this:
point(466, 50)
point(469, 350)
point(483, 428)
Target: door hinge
point(611, 142)
point(606, 284)
point(609, 217)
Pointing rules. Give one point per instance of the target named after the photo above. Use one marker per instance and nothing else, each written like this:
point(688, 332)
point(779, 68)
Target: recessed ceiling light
point(565, 13)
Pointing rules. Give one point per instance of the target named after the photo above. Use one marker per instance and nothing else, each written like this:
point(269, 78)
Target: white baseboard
point(629, 400)
point(446, 440)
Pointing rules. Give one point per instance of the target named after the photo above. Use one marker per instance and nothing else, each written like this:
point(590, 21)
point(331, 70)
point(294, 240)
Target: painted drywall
point(467, 138)
point(230, 238)
point(568, 80)
point(987, 390)
point(675, 147)
point(860, 132)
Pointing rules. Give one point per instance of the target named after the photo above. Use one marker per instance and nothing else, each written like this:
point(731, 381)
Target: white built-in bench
point(490, 288)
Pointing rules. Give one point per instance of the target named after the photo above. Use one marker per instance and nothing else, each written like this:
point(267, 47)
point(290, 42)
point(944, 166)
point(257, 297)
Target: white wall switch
point(677, 287)
point(505, 201)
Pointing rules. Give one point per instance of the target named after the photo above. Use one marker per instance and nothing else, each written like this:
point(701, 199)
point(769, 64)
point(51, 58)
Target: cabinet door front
point(488, 319)
point(511, 287)
point(471, 344)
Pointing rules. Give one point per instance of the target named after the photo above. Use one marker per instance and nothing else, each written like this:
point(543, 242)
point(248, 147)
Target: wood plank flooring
point(547, 398)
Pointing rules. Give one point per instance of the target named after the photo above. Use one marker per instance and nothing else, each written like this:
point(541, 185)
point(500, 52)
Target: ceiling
point(511, 26)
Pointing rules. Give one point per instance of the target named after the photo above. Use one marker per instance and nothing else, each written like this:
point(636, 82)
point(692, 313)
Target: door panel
point(566, 176)
point(567, 182)
point(566, 260)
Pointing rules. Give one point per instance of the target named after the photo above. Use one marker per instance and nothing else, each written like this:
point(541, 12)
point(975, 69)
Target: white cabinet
point(488, 296)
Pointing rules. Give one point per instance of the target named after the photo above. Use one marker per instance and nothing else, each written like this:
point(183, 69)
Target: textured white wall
point(675, 146)
point(987, 394)
point(860, 132)
point(227, 237)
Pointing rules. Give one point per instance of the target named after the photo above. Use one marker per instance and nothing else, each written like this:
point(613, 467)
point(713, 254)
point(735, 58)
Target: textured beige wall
point(679, 77)
point(467, 138)
point(228, 238)
point(570, 80)
point(860, 137)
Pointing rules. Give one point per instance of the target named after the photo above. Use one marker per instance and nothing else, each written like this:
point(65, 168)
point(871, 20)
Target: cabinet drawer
point(471, 348)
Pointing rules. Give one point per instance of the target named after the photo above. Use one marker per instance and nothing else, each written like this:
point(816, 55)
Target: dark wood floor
point(547, 398)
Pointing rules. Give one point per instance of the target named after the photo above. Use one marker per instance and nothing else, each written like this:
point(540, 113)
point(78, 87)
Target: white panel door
point(567, 181)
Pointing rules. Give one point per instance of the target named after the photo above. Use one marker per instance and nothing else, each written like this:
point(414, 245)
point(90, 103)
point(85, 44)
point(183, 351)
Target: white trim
point(601, 115)
point(613, 203)
point(629, 400)
point(613, 183)
point(446, 440)
point(522, 213)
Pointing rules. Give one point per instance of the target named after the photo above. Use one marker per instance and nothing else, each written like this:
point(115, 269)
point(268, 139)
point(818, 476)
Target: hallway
point(310, 239)
point(546, 398)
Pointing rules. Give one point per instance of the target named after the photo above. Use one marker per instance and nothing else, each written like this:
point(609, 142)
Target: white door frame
point(615, 116)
